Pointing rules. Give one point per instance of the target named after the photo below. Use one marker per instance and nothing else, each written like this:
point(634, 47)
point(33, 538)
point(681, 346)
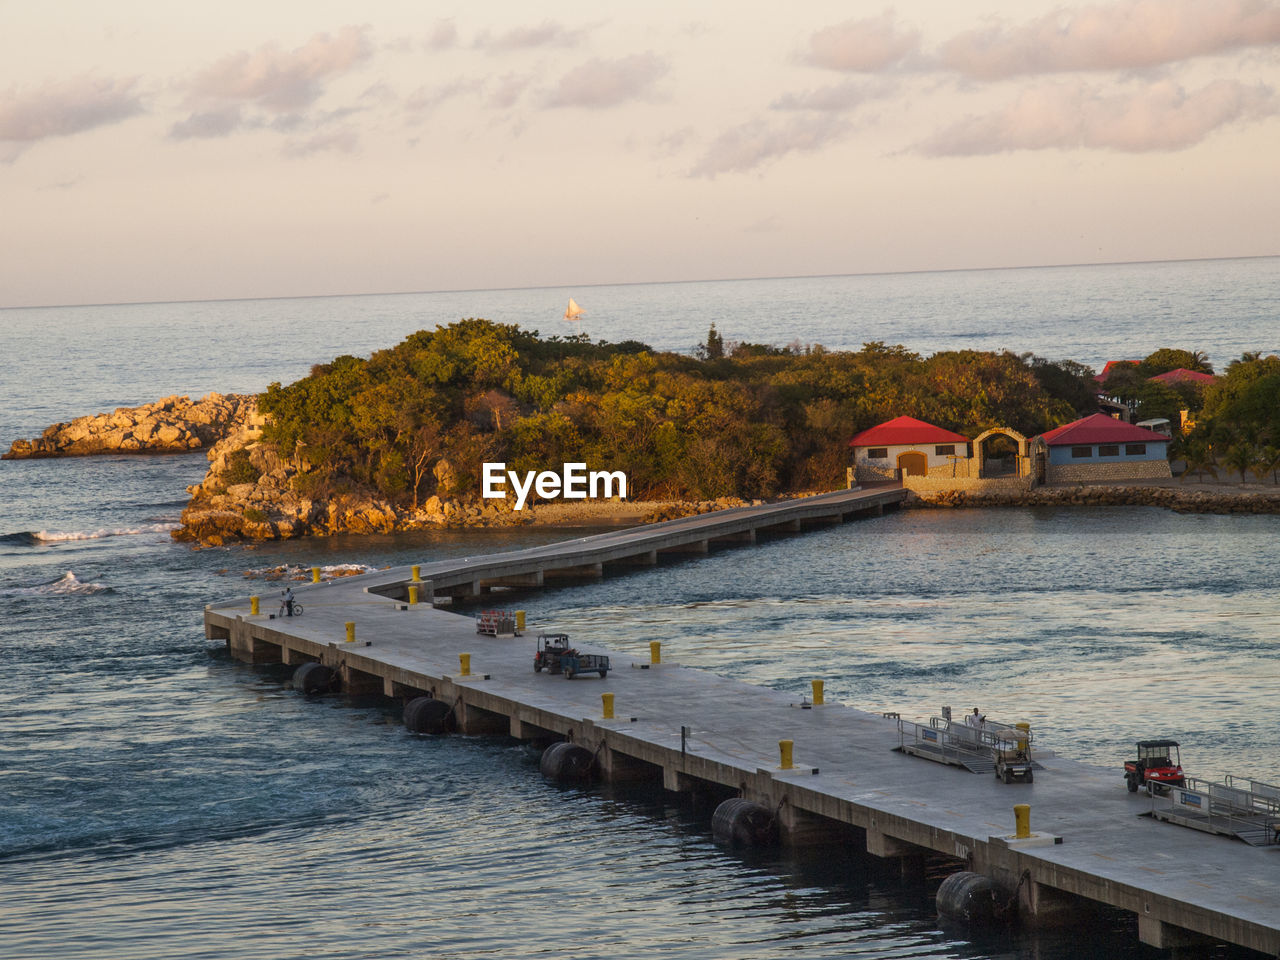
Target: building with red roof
point(1100, 448)
point(1183, 375)
point(904, 446)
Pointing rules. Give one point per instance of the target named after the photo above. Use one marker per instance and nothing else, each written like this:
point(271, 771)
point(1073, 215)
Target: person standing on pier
point(288, 602)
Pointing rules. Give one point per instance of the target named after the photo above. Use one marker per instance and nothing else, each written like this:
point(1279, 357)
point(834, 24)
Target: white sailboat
point(573, 312)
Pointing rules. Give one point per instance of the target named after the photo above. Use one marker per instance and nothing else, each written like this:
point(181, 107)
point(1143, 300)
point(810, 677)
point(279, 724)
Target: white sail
point(573, 311)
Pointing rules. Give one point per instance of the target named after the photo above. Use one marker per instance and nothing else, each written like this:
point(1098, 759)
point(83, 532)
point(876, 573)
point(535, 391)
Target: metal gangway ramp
point(958, 743)
point(1239, 807)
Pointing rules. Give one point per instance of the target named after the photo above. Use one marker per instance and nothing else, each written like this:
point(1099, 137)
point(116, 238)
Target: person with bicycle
point(288, 602)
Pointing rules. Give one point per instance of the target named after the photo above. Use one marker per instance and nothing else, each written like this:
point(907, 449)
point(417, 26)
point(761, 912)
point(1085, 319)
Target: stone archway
point(1001, 463)
point(913, 463)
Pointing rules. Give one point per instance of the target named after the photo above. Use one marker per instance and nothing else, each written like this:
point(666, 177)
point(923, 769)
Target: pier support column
point(908, 857)
point(695, 546)
point(476, 720)
point(586, 571)
point(799, 828)
point(1048, 905)
point(1166, 936)
point(745, 536)
point(648, 558)
point(357, 683)
point(292, 658)
point(619, 768)
point(247, 648)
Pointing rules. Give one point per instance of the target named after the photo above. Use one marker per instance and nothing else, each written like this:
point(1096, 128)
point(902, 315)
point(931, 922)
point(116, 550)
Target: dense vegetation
point(738, 419)
point(1238, 424)
point(734, 419)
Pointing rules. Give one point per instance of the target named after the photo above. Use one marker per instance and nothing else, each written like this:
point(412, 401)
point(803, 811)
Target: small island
point(398, 440)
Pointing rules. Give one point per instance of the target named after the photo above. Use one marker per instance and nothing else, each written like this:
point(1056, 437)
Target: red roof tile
point(1183, 375)
point(1100, 428)
point(902, 430)
point(1107, 370)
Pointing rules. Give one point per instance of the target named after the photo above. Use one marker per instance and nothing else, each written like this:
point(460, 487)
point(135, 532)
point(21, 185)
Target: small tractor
point(551, 647)
point(1158, 767)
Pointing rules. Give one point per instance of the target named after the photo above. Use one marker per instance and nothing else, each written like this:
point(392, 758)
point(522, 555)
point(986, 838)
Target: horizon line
point(632, 283)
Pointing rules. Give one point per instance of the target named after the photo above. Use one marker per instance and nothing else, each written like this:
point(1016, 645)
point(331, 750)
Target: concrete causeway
point(848, 783)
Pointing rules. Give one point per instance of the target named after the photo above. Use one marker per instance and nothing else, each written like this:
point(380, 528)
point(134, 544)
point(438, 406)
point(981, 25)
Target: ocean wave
point(67, 585)
point(23, 538)
point(58, 536)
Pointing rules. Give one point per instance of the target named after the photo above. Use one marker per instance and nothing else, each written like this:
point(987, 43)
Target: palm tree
point(1268, 461)
point(1240, 457)
point(1198, 453)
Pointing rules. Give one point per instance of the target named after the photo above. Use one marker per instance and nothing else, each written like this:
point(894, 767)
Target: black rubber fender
point(567, 763)
point(427, 715)
point(316, 678)
point(743, 822)
point(970, 897)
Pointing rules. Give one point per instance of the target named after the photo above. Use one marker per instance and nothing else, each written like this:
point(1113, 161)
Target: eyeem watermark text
point(573, 482)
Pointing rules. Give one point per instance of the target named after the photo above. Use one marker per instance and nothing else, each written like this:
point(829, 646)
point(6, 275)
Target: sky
point(156, 151)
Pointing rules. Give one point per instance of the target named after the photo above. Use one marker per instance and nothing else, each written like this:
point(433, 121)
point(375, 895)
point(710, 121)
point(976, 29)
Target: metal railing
point(1239, 807)
point(957, 741)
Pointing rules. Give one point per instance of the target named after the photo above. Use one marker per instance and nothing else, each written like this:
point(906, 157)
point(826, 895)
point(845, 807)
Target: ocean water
point(160, 800)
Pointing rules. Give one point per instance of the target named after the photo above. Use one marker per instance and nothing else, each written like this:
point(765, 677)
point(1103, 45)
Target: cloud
point(281, 81)
point(545, 34)
point(1159, 117)
point(753, 144)
point(508, 91)
point(337, 141)
point(443, 35)
point(63, 109)
point(861, 46)
point(597, 84)
point(1126, 35)
point(840, 98)
point(210, 123)
point(425, 99)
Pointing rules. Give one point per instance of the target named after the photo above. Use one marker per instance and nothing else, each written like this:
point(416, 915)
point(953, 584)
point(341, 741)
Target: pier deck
point(847, 783)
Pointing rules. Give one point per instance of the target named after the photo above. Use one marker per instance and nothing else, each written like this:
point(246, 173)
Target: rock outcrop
point(171, 425)
point(1183, 499)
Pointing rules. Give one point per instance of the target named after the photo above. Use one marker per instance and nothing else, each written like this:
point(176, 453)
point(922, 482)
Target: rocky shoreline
point(1219, 498)
point(172, 425)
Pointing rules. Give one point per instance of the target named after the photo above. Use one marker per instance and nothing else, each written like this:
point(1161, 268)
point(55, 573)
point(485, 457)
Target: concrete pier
point(1089, 838)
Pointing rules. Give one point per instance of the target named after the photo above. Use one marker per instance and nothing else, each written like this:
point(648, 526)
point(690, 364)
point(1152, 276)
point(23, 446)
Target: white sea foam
point(293, 571)
point(69, 584)
point(53, 536)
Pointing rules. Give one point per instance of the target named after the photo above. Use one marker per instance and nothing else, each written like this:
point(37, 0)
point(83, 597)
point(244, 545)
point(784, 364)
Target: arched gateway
point(1006, 456)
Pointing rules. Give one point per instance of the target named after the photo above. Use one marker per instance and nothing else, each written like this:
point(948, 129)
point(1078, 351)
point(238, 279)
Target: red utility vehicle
point(1158, 767)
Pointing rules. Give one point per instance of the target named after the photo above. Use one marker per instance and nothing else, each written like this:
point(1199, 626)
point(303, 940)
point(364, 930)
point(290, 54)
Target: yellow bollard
point(606, 700)
point(655, 651)
point(817, 692)
point(253, 606)
point(464, 664)
point(1025, 728)
point(1022, 817)
point(785, 747)
point(413, 594)
point(315, 574)
point(351, 631)
point(519, 621)
point(416, 572)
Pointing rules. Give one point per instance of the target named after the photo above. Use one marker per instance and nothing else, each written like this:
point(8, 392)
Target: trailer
point(573, 663)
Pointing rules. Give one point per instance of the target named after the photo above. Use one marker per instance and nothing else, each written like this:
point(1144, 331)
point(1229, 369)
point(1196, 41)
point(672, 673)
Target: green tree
point(1167, 358)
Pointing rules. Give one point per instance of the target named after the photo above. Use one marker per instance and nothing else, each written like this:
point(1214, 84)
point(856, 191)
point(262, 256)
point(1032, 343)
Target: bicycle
point(284, 612)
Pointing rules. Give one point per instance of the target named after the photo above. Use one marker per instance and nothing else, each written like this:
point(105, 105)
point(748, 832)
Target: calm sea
point(159, 800)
